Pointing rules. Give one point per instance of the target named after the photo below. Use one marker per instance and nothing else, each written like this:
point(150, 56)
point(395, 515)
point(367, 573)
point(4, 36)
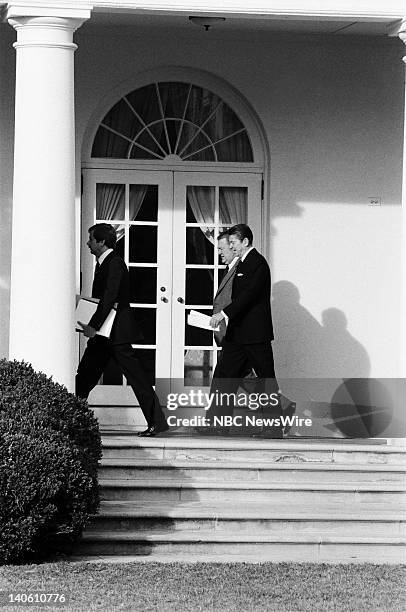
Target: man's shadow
point(344, 356)
point(312, 359)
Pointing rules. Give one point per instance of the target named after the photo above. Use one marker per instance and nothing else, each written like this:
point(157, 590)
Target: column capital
point(73, 9)
point(47, 24)
point(399, 29)
point(402, 33)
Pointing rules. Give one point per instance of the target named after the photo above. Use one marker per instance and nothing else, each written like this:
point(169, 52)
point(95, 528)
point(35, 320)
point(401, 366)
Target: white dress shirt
point(246, 253)
point(232, 264)
point(103, 256)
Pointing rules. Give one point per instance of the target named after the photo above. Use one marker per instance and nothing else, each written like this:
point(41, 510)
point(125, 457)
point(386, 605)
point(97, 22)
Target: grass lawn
point(184, 587)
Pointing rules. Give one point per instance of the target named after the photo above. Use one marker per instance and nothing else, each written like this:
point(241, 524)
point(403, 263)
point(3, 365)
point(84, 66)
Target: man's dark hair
point(241, 230)
point(224, 234)
point(106, 232)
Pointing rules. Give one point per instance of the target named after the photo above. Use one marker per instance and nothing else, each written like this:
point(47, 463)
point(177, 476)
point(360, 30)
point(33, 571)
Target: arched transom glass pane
point(173, 120)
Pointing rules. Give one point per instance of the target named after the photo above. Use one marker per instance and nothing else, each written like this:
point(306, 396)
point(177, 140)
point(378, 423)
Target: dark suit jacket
point(222, 299)
point(111, 284)
point(250, 319)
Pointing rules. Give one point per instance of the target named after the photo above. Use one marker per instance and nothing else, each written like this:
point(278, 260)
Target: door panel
point(167, 225)
point(204, 205)
point(139, 205)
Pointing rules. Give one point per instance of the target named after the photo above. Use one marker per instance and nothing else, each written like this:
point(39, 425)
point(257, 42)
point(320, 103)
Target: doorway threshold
point(185, 432)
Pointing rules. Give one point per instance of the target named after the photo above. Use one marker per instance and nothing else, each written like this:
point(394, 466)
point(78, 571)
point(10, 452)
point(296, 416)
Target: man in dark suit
point(110, 286)
point(248, 316)
point(249, 322)
point(221, 300)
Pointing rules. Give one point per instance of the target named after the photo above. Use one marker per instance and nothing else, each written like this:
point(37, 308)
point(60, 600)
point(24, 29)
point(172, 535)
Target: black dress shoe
point(153, 430)
point(147, 431)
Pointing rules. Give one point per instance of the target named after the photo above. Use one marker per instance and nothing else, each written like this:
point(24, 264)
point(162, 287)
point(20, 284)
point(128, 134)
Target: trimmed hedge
point(49, 449)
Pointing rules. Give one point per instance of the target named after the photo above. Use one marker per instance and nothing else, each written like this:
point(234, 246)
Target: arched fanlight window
point(173, 120)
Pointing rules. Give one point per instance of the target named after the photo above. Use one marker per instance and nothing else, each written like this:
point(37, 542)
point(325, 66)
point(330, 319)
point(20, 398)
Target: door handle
point(181, 300)
point(164, 299)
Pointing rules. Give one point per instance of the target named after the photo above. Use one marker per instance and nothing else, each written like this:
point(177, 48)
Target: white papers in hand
point(85, 310)
point(198, 319)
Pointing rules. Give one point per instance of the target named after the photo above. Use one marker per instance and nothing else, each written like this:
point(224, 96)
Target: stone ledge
point(250, 510)
point(139, 483)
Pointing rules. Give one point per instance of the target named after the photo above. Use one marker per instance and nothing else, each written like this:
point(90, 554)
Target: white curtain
point(110, 203)
point(232, 202)
point(137, 195)
point(233, 205)
point(201, 201)
point(233, 210)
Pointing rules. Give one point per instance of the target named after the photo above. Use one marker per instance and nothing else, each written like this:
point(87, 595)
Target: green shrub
point(49, 448)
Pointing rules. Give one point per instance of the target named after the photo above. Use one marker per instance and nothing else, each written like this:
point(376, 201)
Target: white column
point(401, 32)
point(43, 239)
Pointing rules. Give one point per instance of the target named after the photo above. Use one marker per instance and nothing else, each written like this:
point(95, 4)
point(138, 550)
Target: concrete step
point(308, 501)
point(373, 520)
point(208, 545)
point(261, 471)
point(224, 449)
point(296, 494)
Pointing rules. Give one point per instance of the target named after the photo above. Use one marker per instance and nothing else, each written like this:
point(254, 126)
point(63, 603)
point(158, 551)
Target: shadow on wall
point(327, 372)
point(319, 353)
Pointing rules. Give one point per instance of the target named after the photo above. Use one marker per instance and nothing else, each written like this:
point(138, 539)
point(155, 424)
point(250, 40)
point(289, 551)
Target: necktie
point(97, 268)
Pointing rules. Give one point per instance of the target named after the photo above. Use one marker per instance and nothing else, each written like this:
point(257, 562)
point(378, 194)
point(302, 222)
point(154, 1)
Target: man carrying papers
point(110, 286)
point(198, 319)
point(249, 331)
point(224, 291)
point(86, 308)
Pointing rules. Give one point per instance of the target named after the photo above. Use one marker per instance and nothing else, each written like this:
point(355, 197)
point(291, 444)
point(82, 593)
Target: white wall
point(333, 112)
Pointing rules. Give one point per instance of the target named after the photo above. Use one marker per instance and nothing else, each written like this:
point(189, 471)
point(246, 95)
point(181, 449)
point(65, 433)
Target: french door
point(167, 225)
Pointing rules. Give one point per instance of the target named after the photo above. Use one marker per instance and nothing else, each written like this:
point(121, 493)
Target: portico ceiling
point(242, 17)
point(233, 25)
point(246, 24)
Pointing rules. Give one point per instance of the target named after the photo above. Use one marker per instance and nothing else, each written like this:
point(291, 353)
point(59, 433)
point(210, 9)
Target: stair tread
point(251, 510)
point(130, 441)
point(173, 483)
point(207, 535)
point(207, 463)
